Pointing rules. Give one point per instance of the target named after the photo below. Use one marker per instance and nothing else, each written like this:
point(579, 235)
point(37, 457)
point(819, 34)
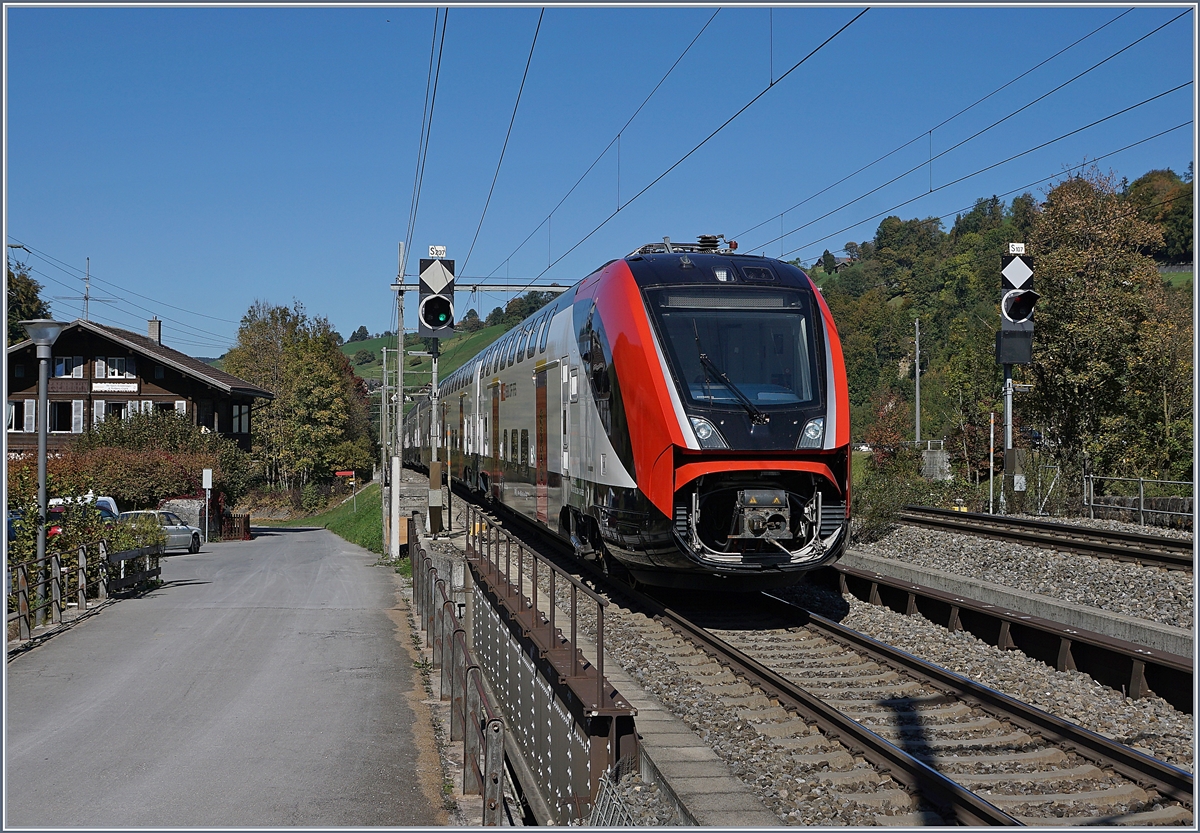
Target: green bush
point(312, 500)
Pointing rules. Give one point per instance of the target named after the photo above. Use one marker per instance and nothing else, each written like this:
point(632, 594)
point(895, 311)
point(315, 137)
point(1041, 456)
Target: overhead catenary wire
point(1023, 188)
point(976, 135)
point(704, 141)
point(426, 131)
point(929, 132)
point(968, 176)
point(615, 139)
point(504, 147)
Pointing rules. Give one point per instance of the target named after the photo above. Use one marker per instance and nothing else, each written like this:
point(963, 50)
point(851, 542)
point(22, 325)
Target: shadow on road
point(268, 531)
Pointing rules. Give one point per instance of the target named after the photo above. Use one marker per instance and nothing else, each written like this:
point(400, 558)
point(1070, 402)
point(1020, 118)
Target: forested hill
point(1112, 344)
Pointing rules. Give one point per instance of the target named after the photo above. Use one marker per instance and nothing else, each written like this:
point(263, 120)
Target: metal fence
point(578, 725)
point(1160, 509)
point(473, 719)
point(42, 585)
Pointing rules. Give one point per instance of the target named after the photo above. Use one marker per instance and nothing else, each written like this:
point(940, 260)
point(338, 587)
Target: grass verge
point(364, 527)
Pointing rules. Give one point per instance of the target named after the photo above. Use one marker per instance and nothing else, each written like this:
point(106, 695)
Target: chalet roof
point(185, 364)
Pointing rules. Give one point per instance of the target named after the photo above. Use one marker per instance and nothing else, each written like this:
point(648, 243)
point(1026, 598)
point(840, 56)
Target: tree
point(1105, 360)
point(828, 263)
point(24, 301)
point(496, 316)
point(362, 357)
point(319, 420)
point(470, 322)
point(360, 334)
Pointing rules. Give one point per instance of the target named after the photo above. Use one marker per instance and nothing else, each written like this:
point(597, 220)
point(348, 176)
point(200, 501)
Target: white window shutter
point(97, 411)
point(12, 412)
point(77, 368)
point(181, 407)
point(30, 416)
point(130, 368)
point(76, 416)
point(101, 367)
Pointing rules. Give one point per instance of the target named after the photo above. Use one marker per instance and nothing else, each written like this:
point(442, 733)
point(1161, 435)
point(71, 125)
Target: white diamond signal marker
point(436, 276)
point(1017, 272)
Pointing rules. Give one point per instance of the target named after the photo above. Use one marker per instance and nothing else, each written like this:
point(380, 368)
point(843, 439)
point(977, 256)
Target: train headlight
point(813, 435)
point(707, 435)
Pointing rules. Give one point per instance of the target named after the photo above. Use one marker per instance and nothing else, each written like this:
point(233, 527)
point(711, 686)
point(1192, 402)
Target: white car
point(179, 534)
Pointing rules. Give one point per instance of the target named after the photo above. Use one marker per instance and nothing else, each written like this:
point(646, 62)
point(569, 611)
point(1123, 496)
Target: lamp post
point(43, 332)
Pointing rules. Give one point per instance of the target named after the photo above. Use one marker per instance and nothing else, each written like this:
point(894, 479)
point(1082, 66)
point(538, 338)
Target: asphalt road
point(266, 683)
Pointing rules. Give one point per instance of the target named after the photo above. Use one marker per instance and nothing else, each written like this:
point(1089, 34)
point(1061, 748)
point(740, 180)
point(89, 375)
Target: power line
point(68, 268)
point(427, 130)
point(929, 132)
point(615, 139)
point(888, 211)
point(944, 185)
point(704, 141)
point(504, 148)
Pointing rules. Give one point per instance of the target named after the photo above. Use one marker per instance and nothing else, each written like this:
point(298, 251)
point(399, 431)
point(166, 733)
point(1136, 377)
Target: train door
point(476, 432)
point(542, 470)
point(495, 464)
point(564, 369)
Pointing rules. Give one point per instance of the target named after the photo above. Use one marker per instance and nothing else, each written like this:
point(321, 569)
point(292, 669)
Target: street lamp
point(43, 332)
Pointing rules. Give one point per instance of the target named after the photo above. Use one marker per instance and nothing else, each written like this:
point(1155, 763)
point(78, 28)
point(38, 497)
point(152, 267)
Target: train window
point(525, 448)
point(533, 336)
point(758, 273)
point(521, 344)
point(546, 329)
point(757, 344)
point(512, 350)
point(504, 445)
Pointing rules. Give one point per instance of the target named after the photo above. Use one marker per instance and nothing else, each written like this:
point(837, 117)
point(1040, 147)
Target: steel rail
point(955, 802)
point(1145, 770)
point(1153, 550)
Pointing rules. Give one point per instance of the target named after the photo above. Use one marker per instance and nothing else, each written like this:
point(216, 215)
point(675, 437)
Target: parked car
point(103, 501)
point(179, 534)
point(56, 513)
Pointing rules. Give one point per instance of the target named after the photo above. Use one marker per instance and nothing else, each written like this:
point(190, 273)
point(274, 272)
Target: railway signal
point(1014, 344)
point(435, 309)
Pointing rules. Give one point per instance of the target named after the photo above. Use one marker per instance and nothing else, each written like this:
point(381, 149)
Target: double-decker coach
point(682, 412)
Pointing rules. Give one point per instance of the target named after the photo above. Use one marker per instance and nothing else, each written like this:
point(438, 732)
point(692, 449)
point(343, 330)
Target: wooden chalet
point(100, 372)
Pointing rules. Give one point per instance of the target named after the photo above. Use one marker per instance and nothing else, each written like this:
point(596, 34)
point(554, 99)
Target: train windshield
point(734, 346)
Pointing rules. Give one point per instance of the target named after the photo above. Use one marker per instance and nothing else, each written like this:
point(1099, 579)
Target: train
point(681, 414)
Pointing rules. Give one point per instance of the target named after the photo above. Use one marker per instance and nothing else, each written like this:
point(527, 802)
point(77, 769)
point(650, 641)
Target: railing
point(235, 527)
point(473, 720)
point(580, 725)
point(1114, 504)
point(44, 595)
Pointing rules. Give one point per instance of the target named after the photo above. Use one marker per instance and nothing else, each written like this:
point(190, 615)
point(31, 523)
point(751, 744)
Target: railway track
point(885, 729)
point(977, 755)
point(1149, 550)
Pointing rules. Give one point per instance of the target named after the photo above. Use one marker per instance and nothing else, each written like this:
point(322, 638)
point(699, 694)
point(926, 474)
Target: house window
point(120, 367)
point(241, 419)
point(159, 372)
point(115, 409)
point(18, 371)
point(68, 366)
point(16, 416)
point(67, 416)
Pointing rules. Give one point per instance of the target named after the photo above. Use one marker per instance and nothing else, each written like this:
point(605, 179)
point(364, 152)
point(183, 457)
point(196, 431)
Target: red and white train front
point(689, 419)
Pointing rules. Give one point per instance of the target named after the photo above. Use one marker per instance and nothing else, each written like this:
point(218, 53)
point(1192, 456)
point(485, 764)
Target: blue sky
point(203, 158)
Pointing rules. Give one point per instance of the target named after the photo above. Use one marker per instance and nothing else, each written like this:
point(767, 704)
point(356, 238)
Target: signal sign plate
point(437, 251)
point(1016, 272)
point(435, 275)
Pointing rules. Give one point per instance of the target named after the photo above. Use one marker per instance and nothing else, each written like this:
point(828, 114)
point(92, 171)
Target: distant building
point(100, 372)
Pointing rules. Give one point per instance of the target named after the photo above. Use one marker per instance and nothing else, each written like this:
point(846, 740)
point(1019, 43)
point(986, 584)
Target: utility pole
point(917, 322)
point(396, 461)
